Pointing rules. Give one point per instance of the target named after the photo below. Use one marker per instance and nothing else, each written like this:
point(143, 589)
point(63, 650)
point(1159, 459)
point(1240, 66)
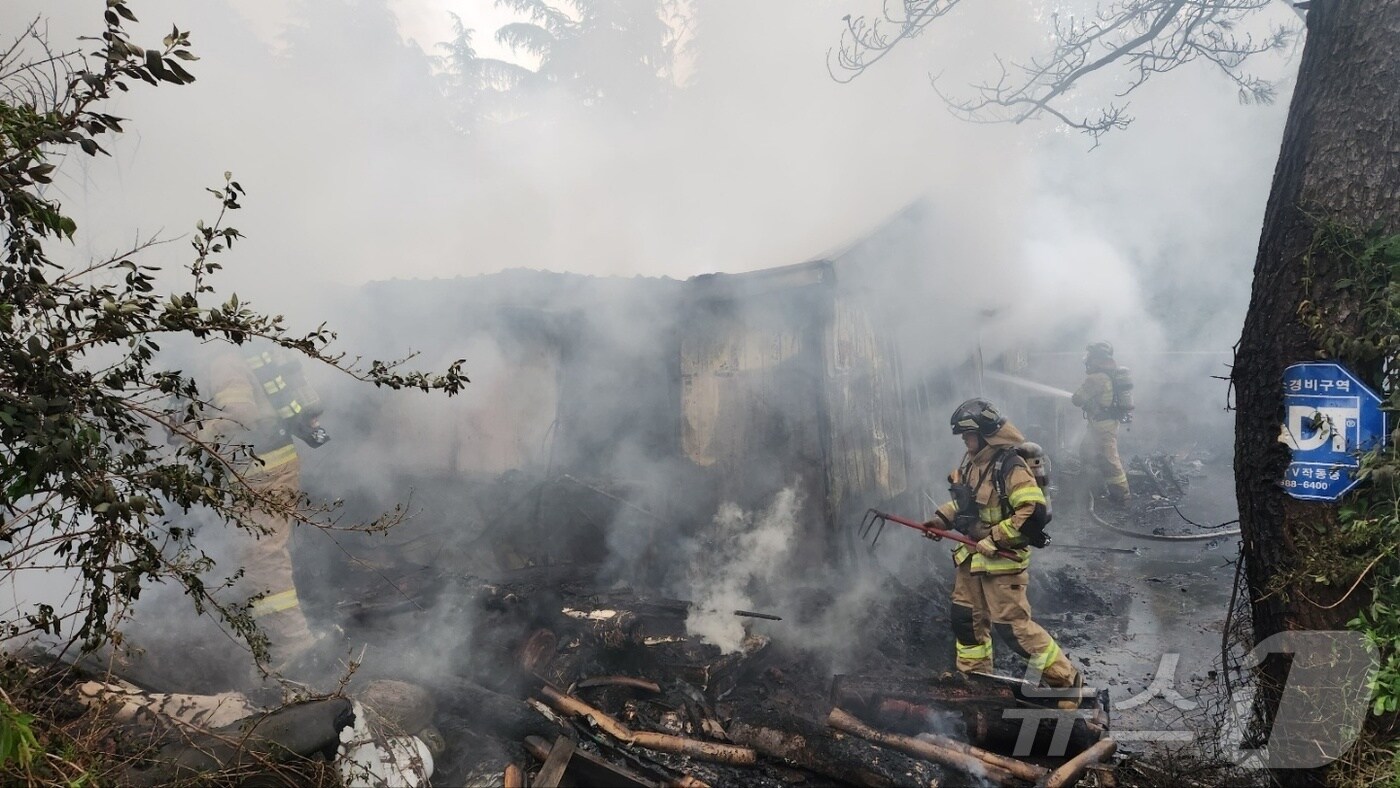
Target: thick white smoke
point(739, 559)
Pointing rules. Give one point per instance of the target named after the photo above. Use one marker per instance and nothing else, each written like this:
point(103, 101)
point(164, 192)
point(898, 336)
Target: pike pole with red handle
point(874, 516)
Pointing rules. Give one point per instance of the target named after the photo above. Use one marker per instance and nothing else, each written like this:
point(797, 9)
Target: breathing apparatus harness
point(297, 404)
point(1028, 455)
point(1098, 357)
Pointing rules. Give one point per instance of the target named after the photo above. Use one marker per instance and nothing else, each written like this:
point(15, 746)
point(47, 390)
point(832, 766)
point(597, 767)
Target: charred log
point(817, 748)
point(960, 756)
point(591, 769)
point(491, 713)
point(990, 712)
point(1072, 770)
point(556, 762)
point(661, 742)
point(620, 681)
point(703, 750)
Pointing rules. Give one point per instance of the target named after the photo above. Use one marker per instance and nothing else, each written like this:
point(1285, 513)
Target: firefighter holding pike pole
point(999, 511)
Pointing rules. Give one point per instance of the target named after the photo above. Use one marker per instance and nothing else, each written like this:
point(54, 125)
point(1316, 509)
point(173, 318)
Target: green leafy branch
point(103, 455)
point(17, 741)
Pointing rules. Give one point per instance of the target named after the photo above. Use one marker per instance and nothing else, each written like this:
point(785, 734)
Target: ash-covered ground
point(432, 605)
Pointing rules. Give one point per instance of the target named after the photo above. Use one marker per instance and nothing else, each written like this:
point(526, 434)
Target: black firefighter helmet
point(977, 415)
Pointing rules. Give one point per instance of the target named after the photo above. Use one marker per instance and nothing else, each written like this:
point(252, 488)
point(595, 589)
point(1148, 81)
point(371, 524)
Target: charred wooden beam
point(537, 650)
point(645, 685)
point(990, 711)
point(728, 754)
point(1073, 769)
point(552, 772)
point(962, 757)
point(570, 706)
point(623, 618)
point(492, 713)
point(591, 769)
point(611, 628)
point(952, 691)
point(1026, 771)
point(819, 749)
point(751, 614)
point(661, 742)
point(126, 703)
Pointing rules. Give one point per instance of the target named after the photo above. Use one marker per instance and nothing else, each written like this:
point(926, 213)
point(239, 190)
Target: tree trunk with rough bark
point(1339, 162)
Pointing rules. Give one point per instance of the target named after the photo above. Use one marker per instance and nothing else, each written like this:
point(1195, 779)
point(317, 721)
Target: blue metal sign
point(1330, 417)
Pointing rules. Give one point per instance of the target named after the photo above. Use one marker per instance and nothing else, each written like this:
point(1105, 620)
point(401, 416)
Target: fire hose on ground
point(1158, 537)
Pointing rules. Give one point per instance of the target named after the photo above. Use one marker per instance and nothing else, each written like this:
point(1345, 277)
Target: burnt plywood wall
point(867, 457)
point(752, 409)
point(680, 396)
point(786, 381)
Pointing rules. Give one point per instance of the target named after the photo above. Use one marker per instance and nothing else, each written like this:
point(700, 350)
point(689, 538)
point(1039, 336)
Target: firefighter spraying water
point(1106, 399)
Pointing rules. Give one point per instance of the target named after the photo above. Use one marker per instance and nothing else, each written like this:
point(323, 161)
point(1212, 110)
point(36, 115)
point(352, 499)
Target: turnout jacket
point(998, 518)
point(1095, 396)
point(244, 410)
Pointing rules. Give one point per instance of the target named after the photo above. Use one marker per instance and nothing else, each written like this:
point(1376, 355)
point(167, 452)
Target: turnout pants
point(1100, 453)
point(267, 567)
point(982, 603)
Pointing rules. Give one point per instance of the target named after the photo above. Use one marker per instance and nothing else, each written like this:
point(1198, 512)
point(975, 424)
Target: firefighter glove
point(987, 547)
point(931, 535)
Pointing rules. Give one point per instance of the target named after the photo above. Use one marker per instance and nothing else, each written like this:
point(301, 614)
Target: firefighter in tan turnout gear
point(263, 399)
point(995, 496)
point(1104, 397)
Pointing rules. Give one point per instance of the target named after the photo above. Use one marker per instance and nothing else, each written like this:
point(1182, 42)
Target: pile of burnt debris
point(609, 690)
point(560, 683)
point(1162, 476)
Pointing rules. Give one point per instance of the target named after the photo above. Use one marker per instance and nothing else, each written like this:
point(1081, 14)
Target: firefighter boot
point(1060, 674)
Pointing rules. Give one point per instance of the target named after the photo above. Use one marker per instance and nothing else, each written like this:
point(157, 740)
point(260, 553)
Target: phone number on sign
point(1294, 484)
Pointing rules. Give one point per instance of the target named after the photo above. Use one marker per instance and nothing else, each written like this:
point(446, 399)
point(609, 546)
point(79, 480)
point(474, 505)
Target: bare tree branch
point(1137, 38)
point(865, 42)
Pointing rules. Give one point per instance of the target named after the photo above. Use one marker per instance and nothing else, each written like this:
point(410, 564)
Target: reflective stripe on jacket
point(245, 414)
point(275, 603)
point(1002, 523)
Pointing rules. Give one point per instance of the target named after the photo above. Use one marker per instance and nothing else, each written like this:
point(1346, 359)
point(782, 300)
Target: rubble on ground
point(570, 684)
